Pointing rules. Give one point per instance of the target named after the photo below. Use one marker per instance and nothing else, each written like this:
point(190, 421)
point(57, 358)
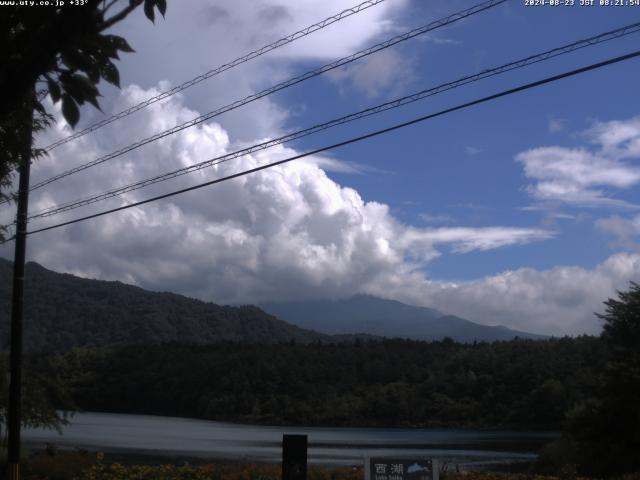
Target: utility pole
point(17, 300)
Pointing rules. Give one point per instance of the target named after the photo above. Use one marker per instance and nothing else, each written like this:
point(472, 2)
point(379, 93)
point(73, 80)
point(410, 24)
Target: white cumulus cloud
point(558, 301)
point(617, 138)
point(586, 177)
point(286, 232)
point(576, 176)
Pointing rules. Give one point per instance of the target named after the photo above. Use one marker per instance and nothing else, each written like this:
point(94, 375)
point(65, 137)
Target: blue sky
point(521, 211)
point(460, 169)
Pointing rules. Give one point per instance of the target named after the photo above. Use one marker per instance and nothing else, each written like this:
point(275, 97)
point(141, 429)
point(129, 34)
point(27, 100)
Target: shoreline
point(159, 439)
point(510, 429)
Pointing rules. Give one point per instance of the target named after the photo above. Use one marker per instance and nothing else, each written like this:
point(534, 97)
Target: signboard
point(390, 468)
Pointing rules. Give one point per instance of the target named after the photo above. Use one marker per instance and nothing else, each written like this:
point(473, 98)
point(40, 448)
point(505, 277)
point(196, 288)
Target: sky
point(523, 211)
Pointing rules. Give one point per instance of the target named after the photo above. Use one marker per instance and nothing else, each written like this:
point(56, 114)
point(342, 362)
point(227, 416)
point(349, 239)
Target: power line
point(313, 73)
point(355, 139)
point(10, 239)
point(532, 59)
point(222, 68)
point(306, 76)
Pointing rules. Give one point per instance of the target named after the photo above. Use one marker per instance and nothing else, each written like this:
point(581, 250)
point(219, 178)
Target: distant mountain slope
point(377, 316)
point(63, 311)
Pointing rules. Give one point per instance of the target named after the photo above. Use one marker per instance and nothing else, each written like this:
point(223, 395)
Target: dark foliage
point(63, 51)
point(46, 398)
point(65, 48)
point(606, 426)
point(521, 383)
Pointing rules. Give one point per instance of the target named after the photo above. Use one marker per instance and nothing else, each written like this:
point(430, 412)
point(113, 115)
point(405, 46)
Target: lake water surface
point(176, 437)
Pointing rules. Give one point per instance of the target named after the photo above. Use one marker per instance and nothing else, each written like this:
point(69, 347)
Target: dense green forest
point(521, 383)
point(63, 311)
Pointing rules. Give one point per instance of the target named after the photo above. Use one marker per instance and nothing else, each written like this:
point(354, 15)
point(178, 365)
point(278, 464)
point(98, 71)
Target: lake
point(184, 437)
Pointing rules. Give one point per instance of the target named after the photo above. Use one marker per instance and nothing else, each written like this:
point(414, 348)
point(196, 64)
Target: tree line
point(521, 383)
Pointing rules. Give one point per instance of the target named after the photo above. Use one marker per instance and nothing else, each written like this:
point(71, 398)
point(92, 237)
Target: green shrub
point(557, 458)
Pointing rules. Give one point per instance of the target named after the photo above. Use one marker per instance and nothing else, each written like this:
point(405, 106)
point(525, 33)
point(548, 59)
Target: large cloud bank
point(287, 232)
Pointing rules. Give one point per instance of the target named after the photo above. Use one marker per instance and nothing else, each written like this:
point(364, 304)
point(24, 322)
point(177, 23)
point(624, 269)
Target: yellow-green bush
point(61, 466)
point(210, 472)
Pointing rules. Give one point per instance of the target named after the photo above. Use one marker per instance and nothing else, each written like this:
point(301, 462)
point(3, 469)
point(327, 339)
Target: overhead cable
point(222, 68)
point(288, 83)
point(405, 100)
point(504, 93)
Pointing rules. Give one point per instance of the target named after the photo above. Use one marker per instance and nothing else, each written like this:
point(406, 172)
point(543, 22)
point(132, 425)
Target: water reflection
point(215, 440)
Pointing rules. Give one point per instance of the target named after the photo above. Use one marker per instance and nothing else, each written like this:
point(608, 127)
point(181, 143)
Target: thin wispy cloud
point(436, 218)
point(472, 150)
point(385, 75)
point(556, 125)
point(625, 231)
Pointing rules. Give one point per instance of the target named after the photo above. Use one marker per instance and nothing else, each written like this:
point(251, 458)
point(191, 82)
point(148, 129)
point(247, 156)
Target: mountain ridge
point(63, 311)
point(373, 315)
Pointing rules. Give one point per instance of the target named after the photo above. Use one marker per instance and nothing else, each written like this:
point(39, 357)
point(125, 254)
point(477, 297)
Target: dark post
point(294, 457)
point(15, 385)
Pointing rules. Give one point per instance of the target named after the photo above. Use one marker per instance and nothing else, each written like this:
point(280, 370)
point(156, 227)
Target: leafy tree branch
point(67, 49)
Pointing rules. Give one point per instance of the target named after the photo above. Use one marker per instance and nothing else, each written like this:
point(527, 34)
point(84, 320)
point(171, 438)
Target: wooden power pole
point(17, 301)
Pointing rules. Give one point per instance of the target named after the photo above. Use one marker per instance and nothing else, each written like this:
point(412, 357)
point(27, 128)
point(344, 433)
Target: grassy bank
point(85, 466)
point(88, 466)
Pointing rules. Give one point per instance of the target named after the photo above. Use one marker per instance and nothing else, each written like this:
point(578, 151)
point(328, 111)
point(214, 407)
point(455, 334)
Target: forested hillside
point(520, 383)
point(63, 311)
